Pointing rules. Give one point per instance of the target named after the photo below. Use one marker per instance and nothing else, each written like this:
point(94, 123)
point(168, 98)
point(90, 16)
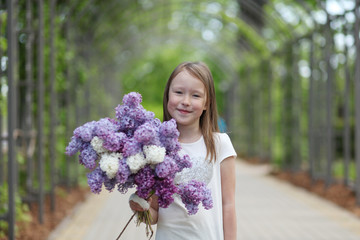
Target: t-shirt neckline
point(196, 141)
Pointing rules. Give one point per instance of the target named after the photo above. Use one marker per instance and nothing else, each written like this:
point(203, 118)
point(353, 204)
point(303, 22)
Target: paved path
point(267, 209)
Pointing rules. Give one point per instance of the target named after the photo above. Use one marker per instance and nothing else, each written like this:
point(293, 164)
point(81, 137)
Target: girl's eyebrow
point(199, 91)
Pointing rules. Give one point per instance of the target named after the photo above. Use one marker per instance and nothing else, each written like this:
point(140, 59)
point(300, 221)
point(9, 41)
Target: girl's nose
point(186, 100)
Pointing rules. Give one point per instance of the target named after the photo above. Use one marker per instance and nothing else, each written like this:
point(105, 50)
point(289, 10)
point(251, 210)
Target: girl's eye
point(196, 95)
point(178, 92)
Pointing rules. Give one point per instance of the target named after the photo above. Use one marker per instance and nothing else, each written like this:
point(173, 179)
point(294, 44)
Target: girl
point(189, 98)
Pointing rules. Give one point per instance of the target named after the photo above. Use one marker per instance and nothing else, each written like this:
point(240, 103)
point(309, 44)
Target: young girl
point(189, 98)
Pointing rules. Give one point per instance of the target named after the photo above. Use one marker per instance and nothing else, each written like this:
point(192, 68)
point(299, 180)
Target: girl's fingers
point(135, 206)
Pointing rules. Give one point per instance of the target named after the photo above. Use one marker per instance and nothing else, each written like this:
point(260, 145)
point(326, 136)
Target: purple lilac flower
point(95, 180)
point(131, 147)
point(128, 119)
point(149, 115)
point(121, 111)
point(169, 129)
point(114, 141)
point(167, 168)
point(132, 99)
point(182, 161)
point(145, 180)
point(165, 189)
point(171, 144)
point(109, 183)
point(146, 134)
point(193, 193)
point(169, 136)
point(105, 126)
point(131, 114)
point(88, 157)
point(123, 187)
point(127, 123)
point(114, 121)
point(86, 131)
point(75, 145)
point(141, 115)
point(124, 171)
point(156, 123)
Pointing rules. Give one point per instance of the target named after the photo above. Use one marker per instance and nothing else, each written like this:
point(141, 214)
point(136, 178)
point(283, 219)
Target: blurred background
point(287, 75)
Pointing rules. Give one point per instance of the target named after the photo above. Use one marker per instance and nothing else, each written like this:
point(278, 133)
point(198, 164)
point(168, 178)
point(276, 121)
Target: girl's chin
point(184, 123)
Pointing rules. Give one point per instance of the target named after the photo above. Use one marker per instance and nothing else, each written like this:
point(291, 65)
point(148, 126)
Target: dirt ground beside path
point(64, 204)
point(337, 193)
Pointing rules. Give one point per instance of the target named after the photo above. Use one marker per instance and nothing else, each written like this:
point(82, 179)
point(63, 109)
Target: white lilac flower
point(135, 162)
point(97, 144)
point(154, 154)
point(109, 163)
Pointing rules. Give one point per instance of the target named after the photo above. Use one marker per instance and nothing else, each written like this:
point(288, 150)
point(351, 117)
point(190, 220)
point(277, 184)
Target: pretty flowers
point(136, 162)
point(136, 150)
point(154, 154)
point(97, 145)
point(109, 163)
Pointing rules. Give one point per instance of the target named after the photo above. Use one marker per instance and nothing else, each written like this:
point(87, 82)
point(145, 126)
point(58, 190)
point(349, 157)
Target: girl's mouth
point(183, 111)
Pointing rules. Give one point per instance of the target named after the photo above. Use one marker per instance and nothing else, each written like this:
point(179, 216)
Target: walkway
point(267, 209)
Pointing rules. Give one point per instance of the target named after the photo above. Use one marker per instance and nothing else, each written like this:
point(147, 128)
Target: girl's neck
point(189, 134)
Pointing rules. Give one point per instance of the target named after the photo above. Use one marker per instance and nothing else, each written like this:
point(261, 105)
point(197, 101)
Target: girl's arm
point(154, 208)
point(227, 168)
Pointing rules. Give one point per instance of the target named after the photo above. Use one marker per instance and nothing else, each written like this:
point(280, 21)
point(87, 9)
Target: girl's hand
point(139, 204)
point(135, 206)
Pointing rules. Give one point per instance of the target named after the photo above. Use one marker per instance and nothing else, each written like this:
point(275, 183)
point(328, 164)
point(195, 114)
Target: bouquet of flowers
point(137, 150)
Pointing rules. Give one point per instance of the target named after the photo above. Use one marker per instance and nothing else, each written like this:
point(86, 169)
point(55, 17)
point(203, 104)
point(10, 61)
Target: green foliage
point(148, 75)
point(3, 43)
point(21, 210)
point(338, 170)
point(3, 40)
point(251, 36)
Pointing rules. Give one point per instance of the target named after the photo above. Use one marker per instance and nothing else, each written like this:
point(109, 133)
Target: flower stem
point(126, 226)
point(142, 217)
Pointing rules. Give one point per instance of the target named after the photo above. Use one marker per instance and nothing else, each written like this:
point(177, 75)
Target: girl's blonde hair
point(208, 119)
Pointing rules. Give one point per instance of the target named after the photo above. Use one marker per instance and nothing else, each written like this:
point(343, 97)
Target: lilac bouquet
point(137, 150)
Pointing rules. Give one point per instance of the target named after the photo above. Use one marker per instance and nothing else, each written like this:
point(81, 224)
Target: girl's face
point(187, 99)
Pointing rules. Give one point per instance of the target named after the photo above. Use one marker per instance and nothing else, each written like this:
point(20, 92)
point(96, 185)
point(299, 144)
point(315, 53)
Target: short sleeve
point(225, 147)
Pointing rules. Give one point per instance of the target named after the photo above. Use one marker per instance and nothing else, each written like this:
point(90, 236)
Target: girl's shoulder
point(224, 146)
point(221, 137)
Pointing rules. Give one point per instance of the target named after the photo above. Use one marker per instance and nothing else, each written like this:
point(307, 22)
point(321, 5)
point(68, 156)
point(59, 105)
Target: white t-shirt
point(174, 223)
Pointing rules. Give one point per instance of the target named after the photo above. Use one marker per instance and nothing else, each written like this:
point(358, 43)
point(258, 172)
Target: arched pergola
point(286, 83)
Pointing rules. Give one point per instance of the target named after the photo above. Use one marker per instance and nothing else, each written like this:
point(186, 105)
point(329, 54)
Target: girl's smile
point(183, 111)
